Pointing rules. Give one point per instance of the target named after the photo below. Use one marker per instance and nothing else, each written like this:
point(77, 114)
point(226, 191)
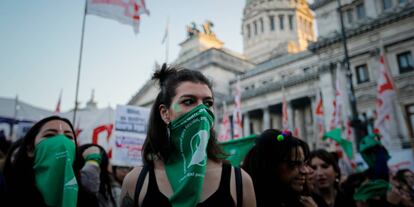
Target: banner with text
point(130, 132)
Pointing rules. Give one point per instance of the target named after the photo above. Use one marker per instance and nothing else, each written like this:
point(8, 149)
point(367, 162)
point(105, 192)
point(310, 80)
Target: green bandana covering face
point(189, 135)
point(54, 174)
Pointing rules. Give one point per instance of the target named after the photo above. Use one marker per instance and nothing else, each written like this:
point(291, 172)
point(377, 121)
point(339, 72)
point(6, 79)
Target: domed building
point(275, 28)
point(282, 57)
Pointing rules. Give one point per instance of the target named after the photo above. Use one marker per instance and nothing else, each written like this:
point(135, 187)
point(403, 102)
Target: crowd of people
point(184, 165)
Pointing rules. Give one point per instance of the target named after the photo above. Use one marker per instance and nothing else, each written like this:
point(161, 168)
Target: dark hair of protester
point(263, 162)
point(20, 176)
point(105, 189)
point(400, 176)
point(329, 159)
point(157, 141)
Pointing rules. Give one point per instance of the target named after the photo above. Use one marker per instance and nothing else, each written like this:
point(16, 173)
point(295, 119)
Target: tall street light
point(355, 122)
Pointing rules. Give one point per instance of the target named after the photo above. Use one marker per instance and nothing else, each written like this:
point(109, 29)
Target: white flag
point(237, 118)
point(225, 128)
point(125, 12)
point(285, 116)
point(319, 116)
point(336, 119)
point(384, 104)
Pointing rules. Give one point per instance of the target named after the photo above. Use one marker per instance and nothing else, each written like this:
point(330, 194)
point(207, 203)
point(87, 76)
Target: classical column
point(266, 118)
point(246, 124)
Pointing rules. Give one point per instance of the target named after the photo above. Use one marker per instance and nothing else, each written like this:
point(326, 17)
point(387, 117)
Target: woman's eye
point(325, 166)
point(70, 136)
point(188, 102)
point(209, 103)
point(49, 135)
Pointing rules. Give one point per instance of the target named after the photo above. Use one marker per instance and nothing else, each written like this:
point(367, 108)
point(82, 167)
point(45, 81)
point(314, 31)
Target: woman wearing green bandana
point(185, 164)
point(42, 172)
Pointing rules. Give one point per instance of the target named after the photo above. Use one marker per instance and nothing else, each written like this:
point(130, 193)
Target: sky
point(40, 46)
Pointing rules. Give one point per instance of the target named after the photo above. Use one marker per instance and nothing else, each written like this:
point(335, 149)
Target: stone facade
point(371, 26)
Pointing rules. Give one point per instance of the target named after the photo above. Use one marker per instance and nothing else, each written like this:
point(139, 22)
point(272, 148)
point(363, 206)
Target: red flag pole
point(79, 65)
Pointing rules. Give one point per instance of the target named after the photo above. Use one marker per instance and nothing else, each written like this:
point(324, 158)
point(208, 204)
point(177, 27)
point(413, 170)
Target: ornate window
point(386, 4)
point(261, 25)
point(272, 23)
point(410, 115)
point(362, 73)
point(360, 11)
point(405, 62)
point(349, 16)
point(291, 22)
point(255, 27)
point(281, 17)
point(248, 31)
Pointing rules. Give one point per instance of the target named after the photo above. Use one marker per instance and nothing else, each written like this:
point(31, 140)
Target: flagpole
point(167, 40)
point(79, 65)
point(166, 48)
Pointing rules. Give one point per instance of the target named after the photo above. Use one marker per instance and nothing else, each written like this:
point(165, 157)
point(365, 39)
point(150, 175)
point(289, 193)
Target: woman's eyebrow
point(50, 130)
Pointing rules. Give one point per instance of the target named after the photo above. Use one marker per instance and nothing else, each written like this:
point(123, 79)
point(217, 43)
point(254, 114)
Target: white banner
point(129, 135)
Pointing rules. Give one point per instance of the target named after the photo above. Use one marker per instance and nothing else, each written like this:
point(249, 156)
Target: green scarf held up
point(186, 169)
point(371, 189)
point(54, 176)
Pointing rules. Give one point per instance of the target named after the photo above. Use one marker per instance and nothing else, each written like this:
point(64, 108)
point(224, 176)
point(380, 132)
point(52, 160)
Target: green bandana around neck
point(54, 176)
point(186, 169)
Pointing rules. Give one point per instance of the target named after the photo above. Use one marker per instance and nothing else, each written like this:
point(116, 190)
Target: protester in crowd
point(372, 187)
point(327, 177)
point(100, 179)
point(404, 181)
point(4, 148)
point(42, 172)
point(277, 164)
point(118, 175)
point(11, 156)
point(181, 151)
point(405, 177)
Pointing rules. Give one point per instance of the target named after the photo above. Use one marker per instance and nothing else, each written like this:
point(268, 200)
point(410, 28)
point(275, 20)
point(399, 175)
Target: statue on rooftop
point(192, 30)
point(207, 28)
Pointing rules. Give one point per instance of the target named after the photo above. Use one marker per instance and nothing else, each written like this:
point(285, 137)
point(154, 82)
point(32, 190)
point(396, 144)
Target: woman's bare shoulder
point(130, 180)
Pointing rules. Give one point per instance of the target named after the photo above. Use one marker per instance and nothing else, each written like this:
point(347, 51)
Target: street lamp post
point(355, 122)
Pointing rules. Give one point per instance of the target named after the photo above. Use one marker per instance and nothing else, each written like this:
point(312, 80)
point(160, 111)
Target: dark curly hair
point(263, 162)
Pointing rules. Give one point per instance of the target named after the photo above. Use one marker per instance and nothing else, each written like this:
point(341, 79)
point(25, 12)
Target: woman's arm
point(249, 197)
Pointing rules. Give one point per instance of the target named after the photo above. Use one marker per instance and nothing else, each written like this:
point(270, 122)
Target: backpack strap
point(139, 184)
point(239, 186)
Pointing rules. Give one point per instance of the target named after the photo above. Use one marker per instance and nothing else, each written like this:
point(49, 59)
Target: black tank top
point(222, 197)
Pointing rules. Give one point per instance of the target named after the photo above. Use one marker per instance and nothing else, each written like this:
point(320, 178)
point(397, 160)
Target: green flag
point(336, 135)
point(238, 148)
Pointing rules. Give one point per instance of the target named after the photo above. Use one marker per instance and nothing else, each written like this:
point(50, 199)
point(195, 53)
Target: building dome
point(274, 27)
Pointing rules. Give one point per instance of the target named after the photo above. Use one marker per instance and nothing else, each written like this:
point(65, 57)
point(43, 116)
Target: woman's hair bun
point(162, 74)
